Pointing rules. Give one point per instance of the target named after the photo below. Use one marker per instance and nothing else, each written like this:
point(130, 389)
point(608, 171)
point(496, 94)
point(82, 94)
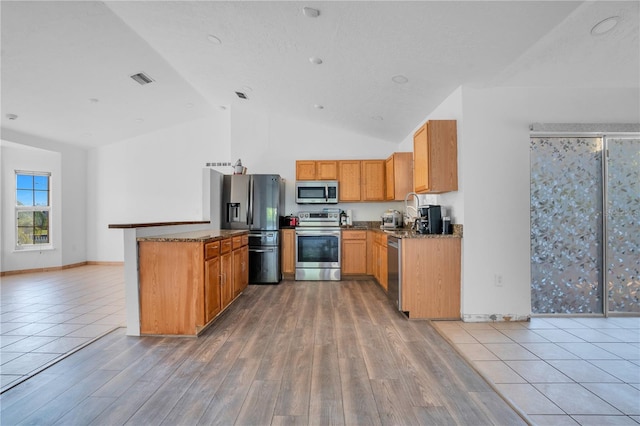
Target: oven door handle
point(317, 232)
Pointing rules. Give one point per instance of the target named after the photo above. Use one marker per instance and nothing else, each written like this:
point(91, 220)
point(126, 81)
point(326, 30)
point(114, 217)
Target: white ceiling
point(66, 65)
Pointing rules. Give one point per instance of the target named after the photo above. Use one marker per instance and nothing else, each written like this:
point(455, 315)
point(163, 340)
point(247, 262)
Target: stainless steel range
point(318, 245)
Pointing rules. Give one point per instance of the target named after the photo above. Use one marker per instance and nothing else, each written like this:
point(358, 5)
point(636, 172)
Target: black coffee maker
point(430, 220)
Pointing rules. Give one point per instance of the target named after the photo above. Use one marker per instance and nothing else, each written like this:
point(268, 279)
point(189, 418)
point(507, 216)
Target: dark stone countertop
point(205, 236)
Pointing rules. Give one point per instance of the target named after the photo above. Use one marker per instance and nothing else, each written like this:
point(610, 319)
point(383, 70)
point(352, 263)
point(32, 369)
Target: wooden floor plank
point(296, 353)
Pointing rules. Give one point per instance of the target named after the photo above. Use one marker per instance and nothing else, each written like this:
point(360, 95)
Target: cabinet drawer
point(245, 239)
point(225, 246)
point(211, 249)
point(237, 242)
point(354, 235)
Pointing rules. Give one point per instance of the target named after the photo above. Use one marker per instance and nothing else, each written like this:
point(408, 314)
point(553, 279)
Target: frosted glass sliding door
point(566, 225)
point(623, 224)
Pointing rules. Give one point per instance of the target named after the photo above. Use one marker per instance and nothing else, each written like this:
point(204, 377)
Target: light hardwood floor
point(295, 353)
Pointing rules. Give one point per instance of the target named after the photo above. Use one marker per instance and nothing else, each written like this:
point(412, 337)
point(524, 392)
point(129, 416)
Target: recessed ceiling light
point(247, 89)
point(139, 120)
point(400, 79)
point(318, 106)
point(222, 107)
point(376, 118)
point(315, 60)
point(94, 100)
point(213, 39)
point(310, 12)
point(11, 116)
point(605, 26)
point(189, 105)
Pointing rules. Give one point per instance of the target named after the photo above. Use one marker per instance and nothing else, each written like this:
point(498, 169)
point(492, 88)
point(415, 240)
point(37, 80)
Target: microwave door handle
point(326, 192)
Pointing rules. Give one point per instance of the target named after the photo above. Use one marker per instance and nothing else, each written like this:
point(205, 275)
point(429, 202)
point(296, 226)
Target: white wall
point(158, 177)
point(155, 177)
point(71, 240)
point(272, 144)
point(20, 157)
point(495, 163)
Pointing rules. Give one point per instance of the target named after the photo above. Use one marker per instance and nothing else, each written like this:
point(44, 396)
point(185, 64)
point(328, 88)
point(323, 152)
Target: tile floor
point(46, 315)
point(558, 371)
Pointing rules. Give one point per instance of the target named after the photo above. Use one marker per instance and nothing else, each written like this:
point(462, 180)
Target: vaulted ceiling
point(66, 65)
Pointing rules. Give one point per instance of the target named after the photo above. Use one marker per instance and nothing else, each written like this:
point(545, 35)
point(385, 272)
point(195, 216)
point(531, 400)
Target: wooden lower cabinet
point(184, 285)
point(287, 252)
point(431, 277)
point(354, 252)
point(379, 253)
point(212, 299)
point(240, 262)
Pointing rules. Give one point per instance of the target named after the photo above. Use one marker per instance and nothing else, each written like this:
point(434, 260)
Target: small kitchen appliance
point(430, 220)
point(391, 219)
point(317, 192)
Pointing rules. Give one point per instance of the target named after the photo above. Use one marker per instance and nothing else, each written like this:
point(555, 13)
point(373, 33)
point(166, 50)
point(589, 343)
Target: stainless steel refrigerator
point(256, 202)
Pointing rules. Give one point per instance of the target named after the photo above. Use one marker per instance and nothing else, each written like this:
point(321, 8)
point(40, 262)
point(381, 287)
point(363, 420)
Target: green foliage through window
point(32, 208)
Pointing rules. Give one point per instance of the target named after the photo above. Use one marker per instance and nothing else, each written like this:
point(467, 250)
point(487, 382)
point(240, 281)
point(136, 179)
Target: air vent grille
point(142, 78)
point(241, 95)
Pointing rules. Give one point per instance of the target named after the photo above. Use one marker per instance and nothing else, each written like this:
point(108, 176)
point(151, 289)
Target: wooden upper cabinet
point(435, 156)
point(316, 170)
point(399, 175)
point(349, 180)
point(326, 170)
point(373, 180)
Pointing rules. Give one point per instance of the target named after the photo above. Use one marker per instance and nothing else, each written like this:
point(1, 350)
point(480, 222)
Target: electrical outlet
point(497, 280)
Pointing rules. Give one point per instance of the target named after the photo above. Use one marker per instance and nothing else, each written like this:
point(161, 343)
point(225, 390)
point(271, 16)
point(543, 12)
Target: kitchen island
point(187, 279)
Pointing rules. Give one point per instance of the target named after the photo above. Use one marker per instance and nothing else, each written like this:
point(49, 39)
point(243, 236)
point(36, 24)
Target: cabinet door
point(305, 170)
point(354, 249)
point(390, 192)
point(373, 178)
point(349, 180)
point(435, 154)
point(399, 175)
point(245, 267)
point(212, 300)
point(288, 251)
point(326, 170)
point(226, 279)
point(421, 160)
point(240, 260)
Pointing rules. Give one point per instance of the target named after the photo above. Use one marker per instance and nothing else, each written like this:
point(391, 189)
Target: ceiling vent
point(241, 95)
point(142, 78)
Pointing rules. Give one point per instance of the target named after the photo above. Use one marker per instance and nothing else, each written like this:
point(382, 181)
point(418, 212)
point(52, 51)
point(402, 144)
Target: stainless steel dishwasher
point(394, 287)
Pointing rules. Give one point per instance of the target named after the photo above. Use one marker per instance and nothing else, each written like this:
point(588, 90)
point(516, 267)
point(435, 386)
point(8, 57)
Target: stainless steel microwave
point(317, 191)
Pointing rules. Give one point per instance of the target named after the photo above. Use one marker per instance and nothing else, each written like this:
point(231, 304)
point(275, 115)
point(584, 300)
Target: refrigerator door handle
point(250, 203)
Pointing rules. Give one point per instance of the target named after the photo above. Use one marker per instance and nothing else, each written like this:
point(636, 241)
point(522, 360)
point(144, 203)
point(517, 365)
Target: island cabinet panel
point(431, 277)
point(435, 155)
point(184, 285)
point(226, 276)
point(171, 287)
point(349, 180)
point(212, 299)
point(288, 255)
point(240, 261)
point(354, 252)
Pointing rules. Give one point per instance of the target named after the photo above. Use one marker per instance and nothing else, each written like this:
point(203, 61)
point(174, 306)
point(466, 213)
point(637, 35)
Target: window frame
point(33, 208)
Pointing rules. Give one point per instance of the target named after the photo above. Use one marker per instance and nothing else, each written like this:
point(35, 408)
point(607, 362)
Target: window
point(33, 207)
